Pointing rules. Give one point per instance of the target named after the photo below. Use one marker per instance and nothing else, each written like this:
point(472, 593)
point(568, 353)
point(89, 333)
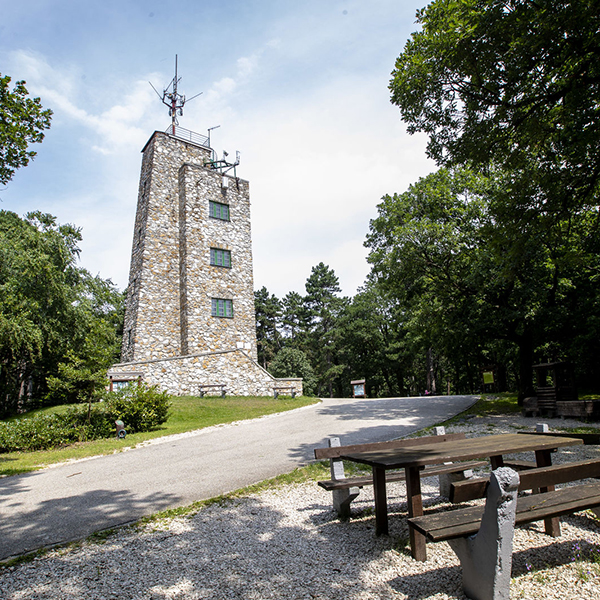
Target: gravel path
point(286, 543)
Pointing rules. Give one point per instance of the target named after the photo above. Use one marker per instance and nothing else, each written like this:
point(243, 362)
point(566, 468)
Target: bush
point(140, 407)
point(36, 433)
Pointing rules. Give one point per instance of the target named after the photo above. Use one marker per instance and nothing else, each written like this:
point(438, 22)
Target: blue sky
point(298, 87)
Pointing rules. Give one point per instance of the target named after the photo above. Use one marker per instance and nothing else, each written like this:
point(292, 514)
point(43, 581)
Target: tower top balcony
point(188, 136)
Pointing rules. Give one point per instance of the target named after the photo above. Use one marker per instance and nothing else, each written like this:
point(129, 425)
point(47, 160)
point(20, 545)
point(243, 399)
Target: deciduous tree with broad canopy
point(22, 122)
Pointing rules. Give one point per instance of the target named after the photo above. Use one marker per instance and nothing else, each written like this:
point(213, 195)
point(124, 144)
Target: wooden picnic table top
point(455, 450)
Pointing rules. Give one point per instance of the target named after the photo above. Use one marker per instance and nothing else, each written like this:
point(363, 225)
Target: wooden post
point(415, 509)
point(543, 458)
point(381, 516)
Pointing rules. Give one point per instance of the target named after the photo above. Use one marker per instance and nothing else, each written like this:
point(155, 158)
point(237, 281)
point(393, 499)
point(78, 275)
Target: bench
point(529, 479)
point(291, 390)
point(208, 387)
point(482, 536)
point(346, 489)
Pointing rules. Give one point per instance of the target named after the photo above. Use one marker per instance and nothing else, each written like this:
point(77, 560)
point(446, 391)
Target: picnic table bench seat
point(482, 536)
point(366, 480)
point(529, 479)
point(464, 522)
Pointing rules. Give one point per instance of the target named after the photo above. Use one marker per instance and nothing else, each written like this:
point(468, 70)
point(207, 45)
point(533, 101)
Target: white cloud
point(123, 124)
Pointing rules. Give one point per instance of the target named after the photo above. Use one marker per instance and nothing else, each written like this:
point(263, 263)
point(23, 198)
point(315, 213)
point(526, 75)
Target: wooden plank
point(463, 491)
point(557, 503)
point(589, 439)
point(535, 507)
point(322, 453)
point(467, 449)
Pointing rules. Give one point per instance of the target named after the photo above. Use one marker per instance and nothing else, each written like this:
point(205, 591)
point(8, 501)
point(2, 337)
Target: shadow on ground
point(68, 518)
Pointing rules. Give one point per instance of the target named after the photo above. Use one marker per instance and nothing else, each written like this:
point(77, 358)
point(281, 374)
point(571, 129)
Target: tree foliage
point(59, 326)
point(509, 83)
point(511, 90)
point(476, 282)
point(22, 122)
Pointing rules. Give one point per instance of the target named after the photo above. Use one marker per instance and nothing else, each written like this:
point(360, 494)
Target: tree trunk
point(526, 388)
point(431, 384)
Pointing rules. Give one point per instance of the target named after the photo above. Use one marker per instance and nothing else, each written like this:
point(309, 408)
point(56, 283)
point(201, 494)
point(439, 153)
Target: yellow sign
point(488, 377)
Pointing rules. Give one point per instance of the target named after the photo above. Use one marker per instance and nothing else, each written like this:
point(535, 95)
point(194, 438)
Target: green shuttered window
point(220, 258)
point(222, 308)
point(217, 210)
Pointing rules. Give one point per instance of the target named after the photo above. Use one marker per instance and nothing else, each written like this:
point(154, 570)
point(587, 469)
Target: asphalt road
point(71, 501)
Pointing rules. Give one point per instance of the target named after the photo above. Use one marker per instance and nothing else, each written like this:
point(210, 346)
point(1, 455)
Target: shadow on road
point(67, 518)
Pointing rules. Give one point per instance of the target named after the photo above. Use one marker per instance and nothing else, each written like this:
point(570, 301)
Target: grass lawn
point(187, 414)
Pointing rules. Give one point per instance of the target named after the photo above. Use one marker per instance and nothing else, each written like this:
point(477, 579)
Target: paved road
point(71, 501)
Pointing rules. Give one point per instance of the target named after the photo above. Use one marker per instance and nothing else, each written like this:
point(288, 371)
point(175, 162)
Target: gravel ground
point(287, 543)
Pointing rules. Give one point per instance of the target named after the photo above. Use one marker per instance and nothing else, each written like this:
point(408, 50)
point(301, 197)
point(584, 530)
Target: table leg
point(496, 462)
point(381, 515)
point(415, 509)
point(543, 458)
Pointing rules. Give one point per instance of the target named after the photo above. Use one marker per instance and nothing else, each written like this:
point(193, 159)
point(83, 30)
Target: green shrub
point(36, 433)
point(140, 407)
point(91, 421)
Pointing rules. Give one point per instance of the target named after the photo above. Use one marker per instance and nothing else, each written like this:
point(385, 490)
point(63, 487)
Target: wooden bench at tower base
point(209, 387)
point(290, 389)
point(346, 489)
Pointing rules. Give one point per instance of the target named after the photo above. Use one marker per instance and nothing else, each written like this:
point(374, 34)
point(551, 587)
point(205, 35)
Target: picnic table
point(415, 458)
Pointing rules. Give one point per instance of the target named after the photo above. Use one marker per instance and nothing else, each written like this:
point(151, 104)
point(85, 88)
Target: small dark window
point(222, 308)
point(217, 210)
point(220, 258)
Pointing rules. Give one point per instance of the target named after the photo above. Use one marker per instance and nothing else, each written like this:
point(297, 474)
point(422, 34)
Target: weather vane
point(173, 99)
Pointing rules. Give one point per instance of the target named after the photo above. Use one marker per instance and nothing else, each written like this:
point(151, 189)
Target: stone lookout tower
point(190, 283)
point(189, 321)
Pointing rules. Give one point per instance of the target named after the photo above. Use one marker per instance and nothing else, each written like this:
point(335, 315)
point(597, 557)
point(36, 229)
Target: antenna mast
point(173, 99)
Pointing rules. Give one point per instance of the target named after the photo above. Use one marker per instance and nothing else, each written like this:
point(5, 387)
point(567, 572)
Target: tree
point(323, 307)
point(293, 316)
point(268, 311)
point(514, 83)
point(56, 320)
point(291, 362)
point(474, 277)
point(22, 122)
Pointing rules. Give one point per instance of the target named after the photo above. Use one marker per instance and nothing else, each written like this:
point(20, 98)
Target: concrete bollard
point(447, 479)
point(341, 498)
point(486, 558)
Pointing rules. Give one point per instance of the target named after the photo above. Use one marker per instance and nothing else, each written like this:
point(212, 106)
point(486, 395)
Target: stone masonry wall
point(201, 281)
point(183, 375)
point(152, 322)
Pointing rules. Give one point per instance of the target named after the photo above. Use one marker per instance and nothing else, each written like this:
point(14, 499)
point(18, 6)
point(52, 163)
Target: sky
point(298, 87)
